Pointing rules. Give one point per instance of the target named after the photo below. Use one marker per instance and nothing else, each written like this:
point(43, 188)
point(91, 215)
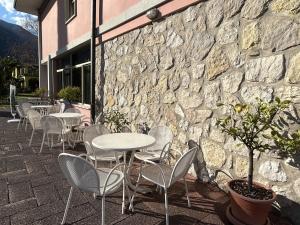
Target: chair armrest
point(165, 151)
point(110, 173)
point(156, 165)
point(87, 157)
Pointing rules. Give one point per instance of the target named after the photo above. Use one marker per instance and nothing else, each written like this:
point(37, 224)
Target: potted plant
point(253, 125)
point(115, 120)
point(71, 94)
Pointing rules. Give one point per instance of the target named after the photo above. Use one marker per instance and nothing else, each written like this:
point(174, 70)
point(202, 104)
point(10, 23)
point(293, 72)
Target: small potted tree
point(253, 125)
point(71, 94)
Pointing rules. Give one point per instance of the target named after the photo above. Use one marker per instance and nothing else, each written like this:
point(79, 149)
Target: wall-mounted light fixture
point(153, 14)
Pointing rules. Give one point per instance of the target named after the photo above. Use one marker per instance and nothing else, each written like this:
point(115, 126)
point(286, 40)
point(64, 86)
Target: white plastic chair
point(160, 150)
point(53, 126)
point(21, 115)
point(81, 174)
point(164, 175)
point(96, 154)
point(25, 107)
point(34, 118)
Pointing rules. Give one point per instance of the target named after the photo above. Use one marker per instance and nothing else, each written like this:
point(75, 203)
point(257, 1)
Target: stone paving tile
point(30, 216)
point(20, 206)
point(3, 192)
point(45, 194)
point(4, 221)
point(19, 191)
point(14, 165)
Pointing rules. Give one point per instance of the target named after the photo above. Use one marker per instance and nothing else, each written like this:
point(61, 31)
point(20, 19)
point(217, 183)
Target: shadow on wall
point(61, 26)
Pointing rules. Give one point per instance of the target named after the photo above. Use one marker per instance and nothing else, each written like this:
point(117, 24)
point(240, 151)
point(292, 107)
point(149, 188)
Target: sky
point(9, 14)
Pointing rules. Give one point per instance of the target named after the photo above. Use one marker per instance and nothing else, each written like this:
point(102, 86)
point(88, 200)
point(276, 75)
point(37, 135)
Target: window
point(70, 9)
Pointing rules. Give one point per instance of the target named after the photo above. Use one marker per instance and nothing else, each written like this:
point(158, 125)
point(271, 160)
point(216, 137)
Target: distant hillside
point(18, 42)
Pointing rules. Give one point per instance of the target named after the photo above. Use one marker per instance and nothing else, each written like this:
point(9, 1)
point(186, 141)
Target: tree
point(31, 24)
point(7, 65)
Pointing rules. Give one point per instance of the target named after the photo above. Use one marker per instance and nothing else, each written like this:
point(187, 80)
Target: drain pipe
point(93, 58)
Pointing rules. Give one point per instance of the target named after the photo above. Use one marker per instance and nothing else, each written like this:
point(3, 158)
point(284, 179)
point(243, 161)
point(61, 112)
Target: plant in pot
point(71, 94)
point(259, 127)
point(115, 120)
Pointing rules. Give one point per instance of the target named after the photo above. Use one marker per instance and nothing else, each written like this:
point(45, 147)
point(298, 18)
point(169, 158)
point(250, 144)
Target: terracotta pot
point(248, 211)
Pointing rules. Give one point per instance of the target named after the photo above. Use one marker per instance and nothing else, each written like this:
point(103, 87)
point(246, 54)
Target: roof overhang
point(28, 6)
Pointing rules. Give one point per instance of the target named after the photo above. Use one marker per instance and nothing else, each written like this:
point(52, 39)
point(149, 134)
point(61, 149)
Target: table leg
point(142, 190)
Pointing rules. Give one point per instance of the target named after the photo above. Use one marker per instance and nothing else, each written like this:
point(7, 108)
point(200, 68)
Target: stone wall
point(176, 70)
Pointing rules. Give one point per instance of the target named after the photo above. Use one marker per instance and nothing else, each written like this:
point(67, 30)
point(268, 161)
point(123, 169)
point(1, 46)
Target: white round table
point(66, 115)
point(41, 106)
point(123, 141)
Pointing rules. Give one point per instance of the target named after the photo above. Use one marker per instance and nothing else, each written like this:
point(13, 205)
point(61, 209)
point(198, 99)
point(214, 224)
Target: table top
point(41, 106)
point(66, 115)
point(123, 141)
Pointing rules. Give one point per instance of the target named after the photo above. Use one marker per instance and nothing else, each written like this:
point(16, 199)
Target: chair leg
point(31, 137)
point(166, 207)
point(63, 143)
point(132, 197)
point(124, 184)
point(26, 123)
point(67, 206)
point(103, 211)
point(43, 140)
point(187, 193)
point(19, 124)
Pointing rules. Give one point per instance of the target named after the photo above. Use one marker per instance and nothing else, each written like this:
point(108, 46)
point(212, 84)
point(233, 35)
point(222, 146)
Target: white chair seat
point(149, 155)
point(153, 174)
point(114, 181)
point(105, 157)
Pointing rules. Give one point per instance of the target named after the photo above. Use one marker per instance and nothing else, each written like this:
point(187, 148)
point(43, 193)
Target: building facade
point(173, 69)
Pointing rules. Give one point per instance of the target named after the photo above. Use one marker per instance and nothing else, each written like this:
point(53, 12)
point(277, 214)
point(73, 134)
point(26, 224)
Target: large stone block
point(279, 34)
point(188, 100)
point(268, 69)
point(232, 7)
point(290, 7)
point(289, 93)
point(293, 73)
point(216, 63)
point(250, 35)
point(214, 154)
point(212, 94)
point(254, 8)
point(241, 167)
point(231, 81)
point(297, 187)
point(228, 32)
point(272, 170)
point(251, 93)
point(215, 13)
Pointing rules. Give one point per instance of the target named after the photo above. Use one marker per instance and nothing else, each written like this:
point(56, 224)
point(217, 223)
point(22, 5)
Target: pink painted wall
point(112, 8)
point(55, 33)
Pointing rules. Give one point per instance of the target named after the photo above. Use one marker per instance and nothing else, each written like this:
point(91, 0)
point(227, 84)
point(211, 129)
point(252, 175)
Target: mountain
point(17, 42)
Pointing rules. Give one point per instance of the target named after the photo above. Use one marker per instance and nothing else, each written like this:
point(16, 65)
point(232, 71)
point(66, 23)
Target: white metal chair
point(96, 154)
point(34, 118)
point(54, 126)
point(21, 115)
point(164, 175)
point(25, 107)
point(160, 150)
point(81, 174)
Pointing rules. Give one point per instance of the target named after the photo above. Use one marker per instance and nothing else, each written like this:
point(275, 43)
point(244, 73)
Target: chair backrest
point(163, 135)
point(53, 109)
point(62, 107)
point(34, 118)
point(72, 110)
point(183, 164)
point(20, 111)
point(26, 106)
point(93, 131)
point(79, 172)
point(52, 125)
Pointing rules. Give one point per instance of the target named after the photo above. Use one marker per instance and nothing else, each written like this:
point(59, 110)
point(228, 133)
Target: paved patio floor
point(33, 191)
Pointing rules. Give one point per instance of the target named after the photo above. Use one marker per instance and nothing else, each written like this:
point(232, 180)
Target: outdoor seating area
point(114, 188)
